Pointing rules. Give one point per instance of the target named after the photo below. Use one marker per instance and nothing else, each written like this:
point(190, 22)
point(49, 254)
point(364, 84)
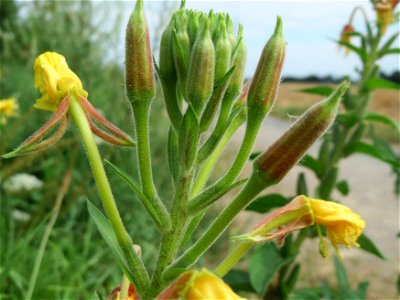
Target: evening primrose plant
point(201, 71)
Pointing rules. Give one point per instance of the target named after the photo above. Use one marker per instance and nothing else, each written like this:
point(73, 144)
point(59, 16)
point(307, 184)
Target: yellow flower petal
point(55, 80)
point(206, 286)
point(8, 108)
point(342, 224)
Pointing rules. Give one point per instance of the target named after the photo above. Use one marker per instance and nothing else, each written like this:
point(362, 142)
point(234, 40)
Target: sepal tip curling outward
point(59, 86)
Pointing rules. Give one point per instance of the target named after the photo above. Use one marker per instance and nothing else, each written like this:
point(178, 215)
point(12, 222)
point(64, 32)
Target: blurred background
point(90, 34)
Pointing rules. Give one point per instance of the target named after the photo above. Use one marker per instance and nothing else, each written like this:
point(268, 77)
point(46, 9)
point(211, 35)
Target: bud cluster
point(196, 54)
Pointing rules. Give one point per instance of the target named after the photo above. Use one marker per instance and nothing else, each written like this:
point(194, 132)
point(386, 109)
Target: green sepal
point(173, 155)
point(215, 99)
point(188, 139)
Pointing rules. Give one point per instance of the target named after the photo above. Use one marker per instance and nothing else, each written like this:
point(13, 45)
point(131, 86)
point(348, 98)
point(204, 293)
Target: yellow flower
point(343, 226)
point(205, 285)
point(8, 108)
point(198, 285)
point(55, 81)
point(345, 35)
point(384, 12)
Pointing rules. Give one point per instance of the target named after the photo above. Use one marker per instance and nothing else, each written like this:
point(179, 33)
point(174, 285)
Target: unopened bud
point(239, 61)
point(181, 49)
point(272, 165)
point(222, 52)
point(166, 64)
point(264, 87)
point(188, 139)
point(139, 60)
point(200, 79)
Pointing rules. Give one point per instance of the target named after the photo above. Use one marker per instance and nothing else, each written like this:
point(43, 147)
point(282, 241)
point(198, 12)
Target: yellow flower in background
point(205, 285)
point(345, 35)
point(342, 225)
point(55, 80)
point(384, 13)
point(8, 108)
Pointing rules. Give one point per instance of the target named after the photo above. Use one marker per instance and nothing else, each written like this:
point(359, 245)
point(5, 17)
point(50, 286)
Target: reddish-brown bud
point(273, 164)
point(265, 83)
point(139, 60)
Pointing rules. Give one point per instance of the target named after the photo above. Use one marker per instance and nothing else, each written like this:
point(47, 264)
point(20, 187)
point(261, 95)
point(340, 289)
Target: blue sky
point(309, 27)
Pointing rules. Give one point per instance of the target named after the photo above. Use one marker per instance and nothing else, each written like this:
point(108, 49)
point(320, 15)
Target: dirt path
point(371, 196)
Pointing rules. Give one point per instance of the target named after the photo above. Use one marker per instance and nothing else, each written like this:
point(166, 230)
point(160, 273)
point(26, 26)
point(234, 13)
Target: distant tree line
point(394, 77)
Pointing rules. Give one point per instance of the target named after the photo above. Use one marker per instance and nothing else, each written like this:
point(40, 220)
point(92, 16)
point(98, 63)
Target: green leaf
point(239, 281)
point(265, 203)
point(264, 264)
point(318, 90)
point(380, 83)
point(301, 188)
point(360, 147)
point(375, 117)
point(291, 280)
point(135, 188)
point(341, 275)
point(349, 119)
point(388, 43)
point(343, 187)
point(254, 155)
point(355, 49)
point(309, 293)
point(311, 163)
point(108, 235)
point(96, 296)
point(367, 245)
point(390, 51)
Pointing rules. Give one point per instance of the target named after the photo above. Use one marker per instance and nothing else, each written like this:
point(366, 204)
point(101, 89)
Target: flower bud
point(181, 49)
point(166, 63)
point(273, 164)
point(345, 36)
point(200, 78)
point(239, 61)
point(223, 50)
point(264, 87)
point(139, 61)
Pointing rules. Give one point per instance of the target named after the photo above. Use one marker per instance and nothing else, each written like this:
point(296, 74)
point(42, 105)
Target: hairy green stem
point(107, 197)
point(223, 220)
point(211, 194)
point(171, 240)
point(141, 111)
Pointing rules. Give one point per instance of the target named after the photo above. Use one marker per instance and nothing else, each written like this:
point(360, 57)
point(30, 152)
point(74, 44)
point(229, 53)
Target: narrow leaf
point(343, 187)
point(239, 281)
point(318, 90)
point(108, 235)
point(375, 117)
point(367, 245)
point(380, 83)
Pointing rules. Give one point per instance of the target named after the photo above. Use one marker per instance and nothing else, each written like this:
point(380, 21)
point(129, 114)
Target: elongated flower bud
point(264, 87)
point(166, 64)
point(200, 79)
point(139, 60)
point(181, 49)
point(272, 165)
point(239, 61)
point(222, 52)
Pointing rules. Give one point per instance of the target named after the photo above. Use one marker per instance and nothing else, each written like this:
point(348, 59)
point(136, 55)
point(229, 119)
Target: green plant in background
point(352, 133)
point(201, 73)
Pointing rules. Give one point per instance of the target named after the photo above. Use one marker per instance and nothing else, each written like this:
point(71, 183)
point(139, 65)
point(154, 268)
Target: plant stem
point(106, 195)
point(171, 240)
point(46, 234)
point(210, 195)
point(223, 220)
point(233, 258)
point(141, 113)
